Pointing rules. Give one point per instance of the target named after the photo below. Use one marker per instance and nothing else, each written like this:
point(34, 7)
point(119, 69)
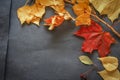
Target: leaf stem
point(108, 25)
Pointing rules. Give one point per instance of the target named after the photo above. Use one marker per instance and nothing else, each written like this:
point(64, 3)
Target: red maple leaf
point(54, 21)
point(95, 39)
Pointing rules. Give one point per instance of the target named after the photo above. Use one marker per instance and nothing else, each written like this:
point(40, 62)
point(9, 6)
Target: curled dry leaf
point(95, 39)
point(54, 21)
point(114, 75)
point(50, 2)
point(85, 60)
point(57, 5)
point(110, 63)
point(60, 10)
point(108, 7)
point(83, 11)
point(31, 14)
point(111, 72)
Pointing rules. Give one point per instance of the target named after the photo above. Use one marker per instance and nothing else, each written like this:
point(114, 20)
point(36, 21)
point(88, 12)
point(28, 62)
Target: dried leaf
point(83, 11)
point(95, 39)
point(54, 21)
point(108, 7)
point(110, 63)
point(60, 10)
point(50, 2)
point(83, 20)
point(114, 75)
point(85, 60)
point(31, 14)
point(83, 1)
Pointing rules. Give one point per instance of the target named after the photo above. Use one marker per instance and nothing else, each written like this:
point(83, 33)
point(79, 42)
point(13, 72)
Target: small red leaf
point(54, 21)
point(95, 39)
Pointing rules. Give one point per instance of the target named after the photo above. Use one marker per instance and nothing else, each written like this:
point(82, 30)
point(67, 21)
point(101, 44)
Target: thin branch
point(108, 25)
point(26, 2)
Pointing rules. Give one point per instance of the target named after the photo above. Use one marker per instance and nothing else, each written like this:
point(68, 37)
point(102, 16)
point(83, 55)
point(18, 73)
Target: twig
point(26, 2)
point(109, 26)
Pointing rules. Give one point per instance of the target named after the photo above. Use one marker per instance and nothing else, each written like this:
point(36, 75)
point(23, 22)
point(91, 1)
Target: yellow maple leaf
point(108, 7)
point(31, 14)
point(83, 11)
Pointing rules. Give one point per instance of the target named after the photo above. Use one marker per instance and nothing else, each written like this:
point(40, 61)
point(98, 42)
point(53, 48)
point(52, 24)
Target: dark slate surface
point(38, 54)
point(4, 30)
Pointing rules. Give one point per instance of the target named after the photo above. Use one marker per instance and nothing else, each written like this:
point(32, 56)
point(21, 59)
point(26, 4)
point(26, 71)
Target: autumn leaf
point(60, 10)
point(85, 60)
point(95, 39)
point(31, 14)
point(111, 72)
point(110, 63)
point(114, 75)
point(83, 11)
point(58, 6)
point(54, 21)
point(50, 2)
point(108, 7)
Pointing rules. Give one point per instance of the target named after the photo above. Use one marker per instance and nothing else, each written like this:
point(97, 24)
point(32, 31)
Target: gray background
point(34, 53)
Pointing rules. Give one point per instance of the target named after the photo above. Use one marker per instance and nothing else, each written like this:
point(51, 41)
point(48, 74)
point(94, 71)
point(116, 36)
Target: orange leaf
point(31, 14)
point(54, 21)
point(83, 11)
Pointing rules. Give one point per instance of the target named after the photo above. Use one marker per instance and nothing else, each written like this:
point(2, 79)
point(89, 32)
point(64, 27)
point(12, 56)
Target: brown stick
point(109, 26)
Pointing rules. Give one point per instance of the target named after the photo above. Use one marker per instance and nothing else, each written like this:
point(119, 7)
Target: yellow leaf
point(62, 12)
point(106, 75)
point(110, 63)
point(83, 20)
point(85, 60)
point(50, 2)
point(31, 14)
point(57, 5)
point(44, 2)
point(108, 7)
point(83, 11)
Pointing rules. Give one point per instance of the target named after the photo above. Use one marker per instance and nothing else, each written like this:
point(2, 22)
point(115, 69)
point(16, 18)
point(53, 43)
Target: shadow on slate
point(34, 53)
